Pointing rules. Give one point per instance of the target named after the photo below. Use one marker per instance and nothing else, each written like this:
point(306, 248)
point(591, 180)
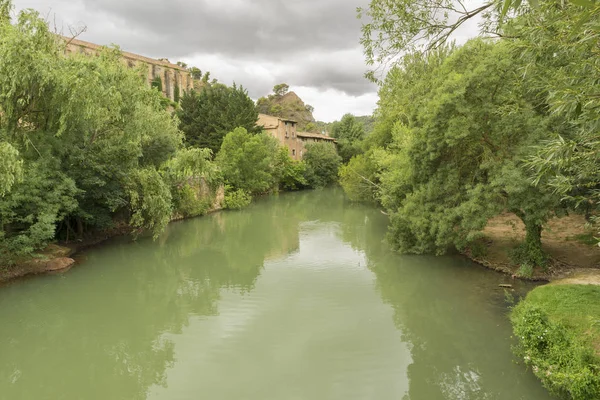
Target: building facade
point(173, 77)
point(285, 131)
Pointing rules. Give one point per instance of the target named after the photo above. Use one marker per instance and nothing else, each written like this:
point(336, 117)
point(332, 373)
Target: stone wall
point(173, 76)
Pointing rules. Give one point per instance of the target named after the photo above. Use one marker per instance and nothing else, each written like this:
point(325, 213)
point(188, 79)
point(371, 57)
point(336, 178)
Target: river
point(295, 297)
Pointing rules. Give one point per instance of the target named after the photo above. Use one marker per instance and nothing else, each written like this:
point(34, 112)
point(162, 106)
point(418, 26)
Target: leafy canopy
point(206, 117)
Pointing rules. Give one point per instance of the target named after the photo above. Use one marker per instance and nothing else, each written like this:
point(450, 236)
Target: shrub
point(525, 270)
point(189, 204)
point(236, 199)
point(558, 349)
point(322, 164)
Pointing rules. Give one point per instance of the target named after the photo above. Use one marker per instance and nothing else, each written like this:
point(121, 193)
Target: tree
point(559, 46)
point(84, 160)
point(281, 89)
point(11, 167)
point(358, 178)
point(206, 117)
point(349, 134)
point(195, 72)
point(322, 164)
point(401, 27)
point(454, 157)
point(249, 162)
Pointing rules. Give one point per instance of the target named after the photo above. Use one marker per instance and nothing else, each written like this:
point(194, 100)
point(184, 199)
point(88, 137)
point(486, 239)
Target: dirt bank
point(566, 240)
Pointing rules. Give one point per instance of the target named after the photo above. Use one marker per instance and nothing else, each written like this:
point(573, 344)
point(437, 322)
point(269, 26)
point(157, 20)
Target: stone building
point(172, 76)
point(284, 130)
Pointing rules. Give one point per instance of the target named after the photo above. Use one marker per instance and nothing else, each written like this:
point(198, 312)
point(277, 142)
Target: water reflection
point(281, 300)
point(98, 330)
point(452, 314)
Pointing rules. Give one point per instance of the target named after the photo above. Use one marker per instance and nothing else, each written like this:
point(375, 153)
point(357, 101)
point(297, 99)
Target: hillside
point(368, 121)
point(288, 105)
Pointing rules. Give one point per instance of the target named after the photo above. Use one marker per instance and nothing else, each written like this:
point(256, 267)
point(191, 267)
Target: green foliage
point(195, 72)
point(150, 201)
point(236, 199)
point(455, 125)
point(187, 202)
point(30, 212)
point(290, 173)
point(249, 162)
point(559, 46)
point(393, 28)
point(157, 84)
point(557, 329)
point(176, 94)
point(193, 178)
point(554, 46)
point(478, 248)
point(349, 134)
point(281, 89)
point(287, 105)
point(86, 161)
point(11, 167)
point(525, 270)
point(206, 117)
point(322, 164)
point(359, 177)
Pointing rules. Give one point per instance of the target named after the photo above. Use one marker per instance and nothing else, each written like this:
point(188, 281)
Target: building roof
point(314, 136)
point(270, 121)
point(125, 54)
point(267, 121)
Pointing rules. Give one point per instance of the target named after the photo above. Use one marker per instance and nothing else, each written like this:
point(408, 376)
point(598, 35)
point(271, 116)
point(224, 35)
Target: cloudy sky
point(312, 45)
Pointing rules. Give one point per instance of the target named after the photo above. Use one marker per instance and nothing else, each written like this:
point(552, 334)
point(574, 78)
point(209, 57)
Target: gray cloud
point(246, 28)
point(256, 43)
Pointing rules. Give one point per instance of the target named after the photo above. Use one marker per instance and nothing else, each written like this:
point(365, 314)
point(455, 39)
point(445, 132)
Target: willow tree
point(559, 45)
point(455, 159)
point(85, 134)
point(395, 28)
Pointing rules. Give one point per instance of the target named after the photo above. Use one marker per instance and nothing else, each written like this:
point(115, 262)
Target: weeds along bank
point(73, 165)
point(558, 330)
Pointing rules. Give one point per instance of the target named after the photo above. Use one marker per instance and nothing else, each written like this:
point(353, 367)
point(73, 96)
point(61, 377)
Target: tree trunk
point(531, 250)
point(533, 234)
point(79, 228)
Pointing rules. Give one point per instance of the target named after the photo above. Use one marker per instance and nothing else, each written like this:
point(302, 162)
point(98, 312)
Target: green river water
point(296, 297)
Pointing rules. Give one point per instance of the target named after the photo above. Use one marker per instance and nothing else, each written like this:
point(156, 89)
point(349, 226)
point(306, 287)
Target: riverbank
point(567, 240)
point(558, 330)
point(57, 256)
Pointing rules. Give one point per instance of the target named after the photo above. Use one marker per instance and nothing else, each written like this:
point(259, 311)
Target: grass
point(558, 328)
point(585, 238)
point(575, 306)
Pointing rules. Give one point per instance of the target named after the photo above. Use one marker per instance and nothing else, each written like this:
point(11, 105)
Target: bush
point(527, 253)
point(322, 164)
point(187, 203)
point(249, 162)
point(525, 270)
point(556, 342)
point(236, 199)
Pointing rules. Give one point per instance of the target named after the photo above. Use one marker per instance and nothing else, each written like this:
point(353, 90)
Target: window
point(293, 152)
point(287, 130)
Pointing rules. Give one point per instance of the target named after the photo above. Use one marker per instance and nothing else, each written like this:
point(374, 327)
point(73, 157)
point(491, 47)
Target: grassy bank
point(558, 332)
